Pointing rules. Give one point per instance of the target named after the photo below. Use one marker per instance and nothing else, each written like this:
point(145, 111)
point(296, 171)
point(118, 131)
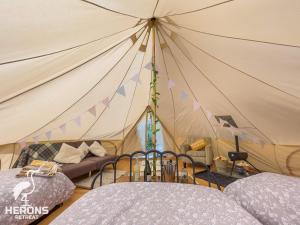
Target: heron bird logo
point(20, 187)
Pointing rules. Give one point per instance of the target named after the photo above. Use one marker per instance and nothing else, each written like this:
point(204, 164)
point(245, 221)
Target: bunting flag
point(121, 90)
point(106, 102)
point(63, 128)
point(173, 35)
point(183, 95)
point(133, 38)
point(163, 45)
point(22, 144)
point(48, 134)
point(136, 78)
point(93, 111)
point(77, 120)
point(171, 84)
point(196, 105)
point(209, 114)
point(36, 139)
point(143, 48)
point(148, 66)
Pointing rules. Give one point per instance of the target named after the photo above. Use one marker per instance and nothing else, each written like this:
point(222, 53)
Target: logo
point(26, 210)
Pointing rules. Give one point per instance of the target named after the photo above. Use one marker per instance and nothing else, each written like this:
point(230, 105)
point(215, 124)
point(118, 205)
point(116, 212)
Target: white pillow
point(84, 148)
point(97, 149)
point(68, 154)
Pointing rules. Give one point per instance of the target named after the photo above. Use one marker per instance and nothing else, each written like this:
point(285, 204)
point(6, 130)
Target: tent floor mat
point(221, 179)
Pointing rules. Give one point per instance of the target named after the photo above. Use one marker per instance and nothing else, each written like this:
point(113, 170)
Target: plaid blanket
point(45, 152)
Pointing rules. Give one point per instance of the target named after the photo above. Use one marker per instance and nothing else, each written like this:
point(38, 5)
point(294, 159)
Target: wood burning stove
point(237, 155)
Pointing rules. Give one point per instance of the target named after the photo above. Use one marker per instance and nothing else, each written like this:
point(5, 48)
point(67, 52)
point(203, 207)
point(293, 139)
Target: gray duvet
point(273, 199)
point(47, 192)
point(154, 203)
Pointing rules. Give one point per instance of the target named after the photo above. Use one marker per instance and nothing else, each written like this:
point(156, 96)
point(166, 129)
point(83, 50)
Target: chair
point(200, 154)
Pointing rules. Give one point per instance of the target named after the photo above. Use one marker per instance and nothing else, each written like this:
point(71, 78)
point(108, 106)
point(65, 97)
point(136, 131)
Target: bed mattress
point(274, 199)
point(23, 200)
point(154, 203)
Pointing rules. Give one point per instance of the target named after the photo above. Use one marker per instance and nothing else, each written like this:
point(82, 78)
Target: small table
point(223, 178)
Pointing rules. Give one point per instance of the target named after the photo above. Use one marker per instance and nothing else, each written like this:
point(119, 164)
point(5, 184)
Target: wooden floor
point(79, 192)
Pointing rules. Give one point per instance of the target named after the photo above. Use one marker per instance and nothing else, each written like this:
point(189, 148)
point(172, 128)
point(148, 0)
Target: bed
point(47, 193)
point(273, 199)
point(154, 203)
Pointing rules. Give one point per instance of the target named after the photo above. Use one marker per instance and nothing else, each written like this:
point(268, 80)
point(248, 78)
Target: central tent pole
point(154, 91)
point(154, 96)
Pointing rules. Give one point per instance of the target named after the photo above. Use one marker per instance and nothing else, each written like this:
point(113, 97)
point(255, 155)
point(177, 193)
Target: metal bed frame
point(159, 156)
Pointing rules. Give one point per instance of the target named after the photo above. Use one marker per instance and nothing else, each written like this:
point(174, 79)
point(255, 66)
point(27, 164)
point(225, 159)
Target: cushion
point(97, 149)
point(69, 154)
point(272, 198)
point(198, 145)
point(84, 148)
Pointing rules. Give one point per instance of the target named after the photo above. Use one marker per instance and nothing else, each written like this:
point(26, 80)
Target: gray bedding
point(154, 203)
point(48, 192)
point(272, 198)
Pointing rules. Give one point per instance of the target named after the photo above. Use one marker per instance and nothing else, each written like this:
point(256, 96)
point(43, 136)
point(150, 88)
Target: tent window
point(145, 134)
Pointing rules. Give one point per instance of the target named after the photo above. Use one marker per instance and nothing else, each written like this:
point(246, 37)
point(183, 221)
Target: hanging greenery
point(154, 98)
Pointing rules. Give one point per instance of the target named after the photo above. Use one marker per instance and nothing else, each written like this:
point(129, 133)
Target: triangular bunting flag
point(171, 84)
point(36, 139)
point(173, 35)
point(77, 120)
point(183, 95)
point(22, 144)
point(163, 45)
point(121, 90)
point(209, 114)
point(143, 48)
point(63, 128)
point(93, 111)
point(106, 101)
point(48, 134)
point(196, 105)
point(136, 78)
point(133, 38)
point(148, 66)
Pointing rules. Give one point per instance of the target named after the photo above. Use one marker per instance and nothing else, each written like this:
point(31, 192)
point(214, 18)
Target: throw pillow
point(198, 145)
point(84, 148)
point(97, 149)
point(68, 154)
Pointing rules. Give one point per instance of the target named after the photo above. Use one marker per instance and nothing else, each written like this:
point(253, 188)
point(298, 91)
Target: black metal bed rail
point(146, 157)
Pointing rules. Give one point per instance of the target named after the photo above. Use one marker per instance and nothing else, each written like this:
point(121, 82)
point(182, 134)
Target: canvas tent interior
point(73, 69)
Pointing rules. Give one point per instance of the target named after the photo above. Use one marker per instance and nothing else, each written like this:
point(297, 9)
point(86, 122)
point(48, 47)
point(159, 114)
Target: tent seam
point(74, 103)
point(93, 124)
point(221, 92)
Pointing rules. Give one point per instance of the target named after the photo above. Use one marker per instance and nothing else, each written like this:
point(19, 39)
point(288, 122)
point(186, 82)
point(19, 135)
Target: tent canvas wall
point(74, 69)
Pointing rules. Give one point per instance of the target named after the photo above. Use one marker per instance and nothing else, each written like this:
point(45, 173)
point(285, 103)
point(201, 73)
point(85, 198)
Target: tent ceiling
point(74, 69)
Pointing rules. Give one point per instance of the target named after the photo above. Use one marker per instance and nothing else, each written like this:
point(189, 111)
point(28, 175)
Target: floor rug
point(221, 179)
point(107, 178)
